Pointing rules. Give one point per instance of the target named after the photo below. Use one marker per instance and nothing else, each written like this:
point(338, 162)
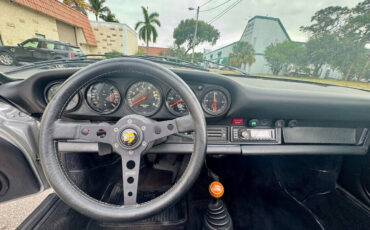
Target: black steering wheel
point(130, 137)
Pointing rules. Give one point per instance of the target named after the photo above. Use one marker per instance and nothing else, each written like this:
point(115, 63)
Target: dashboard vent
point(217, 133)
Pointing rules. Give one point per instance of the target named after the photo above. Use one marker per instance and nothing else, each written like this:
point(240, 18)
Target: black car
point(36, 49)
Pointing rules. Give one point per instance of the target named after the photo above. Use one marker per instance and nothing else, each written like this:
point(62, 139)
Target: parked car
point(36, 49)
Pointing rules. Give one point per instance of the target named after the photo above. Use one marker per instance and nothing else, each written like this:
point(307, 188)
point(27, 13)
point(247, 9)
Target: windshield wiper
point(47, 63)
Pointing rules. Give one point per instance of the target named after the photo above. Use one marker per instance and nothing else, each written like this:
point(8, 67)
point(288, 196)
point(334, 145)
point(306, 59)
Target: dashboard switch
point(237, 121)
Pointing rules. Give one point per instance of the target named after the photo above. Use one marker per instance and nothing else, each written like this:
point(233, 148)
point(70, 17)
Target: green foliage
point(243, 53)
point(97, 8)
point(184, 34)
point(113, 54)
point(109, 17)
point(79, 5)
point(147, 29)
point(286, 55)
point(342, 21)
point(179, 52)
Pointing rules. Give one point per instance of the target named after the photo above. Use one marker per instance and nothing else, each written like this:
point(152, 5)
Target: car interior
point(126, 143)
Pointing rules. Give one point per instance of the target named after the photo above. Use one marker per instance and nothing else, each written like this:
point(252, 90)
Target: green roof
point(221, 48)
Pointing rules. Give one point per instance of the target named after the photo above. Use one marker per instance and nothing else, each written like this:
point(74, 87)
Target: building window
point(41, 36)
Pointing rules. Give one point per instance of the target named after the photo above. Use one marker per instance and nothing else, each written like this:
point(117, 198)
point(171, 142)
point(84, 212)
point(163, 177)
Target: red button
point(237, 121)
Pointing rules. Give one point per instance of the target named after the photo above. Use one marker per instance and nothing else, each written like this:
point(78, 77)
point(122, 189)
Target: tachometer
point(53, 89)
point(215, 102)
point(144, 98)
point(176, 104)
point(103, 97)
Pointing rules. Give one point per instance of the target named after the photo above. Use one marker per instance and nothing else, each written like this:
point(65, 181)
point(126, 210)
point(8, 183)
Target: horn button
point(129, 138)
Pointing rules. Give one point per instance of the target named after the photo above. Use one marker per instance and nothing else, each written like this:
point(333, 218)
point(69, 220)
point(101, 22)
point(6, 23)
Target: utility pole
point(195, 35)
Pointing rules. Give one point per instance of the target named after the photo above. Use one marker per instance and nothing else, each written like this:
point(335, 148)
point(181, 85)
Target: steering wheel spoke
point(166, 128)
point(94, 132)
point(130, 175)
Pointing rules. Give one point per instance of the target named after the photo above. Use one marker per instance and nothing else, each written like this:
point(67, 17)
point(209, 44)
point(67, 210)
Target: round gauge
point(215, 102)
point(53, 89)
point(103, 97)
point(144, 98)
point(176, 104)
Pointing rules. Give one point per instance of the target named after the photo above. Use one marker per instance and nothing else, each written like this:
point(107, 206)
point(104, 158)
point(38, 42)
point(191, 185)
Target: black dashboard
point(243, 114)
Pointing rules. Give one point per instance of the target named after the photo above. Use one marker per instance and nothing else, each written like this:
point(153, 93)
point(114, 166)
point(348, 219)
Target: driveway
point(12, 213)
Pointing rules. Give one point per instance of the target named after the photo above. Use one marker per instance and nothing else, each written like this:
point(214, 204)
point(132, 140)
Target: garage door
point(66, 33)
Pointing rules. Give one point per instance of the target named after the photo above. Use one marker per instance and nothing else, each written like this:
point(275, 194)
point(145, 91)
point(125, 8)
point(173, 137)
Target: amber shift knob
point(216, 189)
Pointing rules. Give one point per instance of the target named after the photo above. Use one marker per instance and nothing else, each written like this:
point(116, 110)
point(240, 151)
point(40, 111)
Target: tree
point(148, 31)
point(284, 55)
point(328, 21)
point(109, 17)
point(345, 55)
point(79, 5)
point(184, 34)
point(243, 53)
point(98, 8)
point(320, 51)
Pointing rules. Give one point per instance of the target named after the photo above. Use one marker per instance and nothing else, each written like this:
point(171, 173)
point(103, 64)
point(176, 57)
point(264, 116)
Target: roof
point(63, 13)
point(212, 51)
point(154, 51)
point(273, 19)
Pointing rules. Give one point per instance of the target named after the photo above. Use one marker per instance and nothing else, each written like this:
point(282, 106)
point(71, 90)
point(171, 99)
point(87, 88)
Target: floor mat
point(172, 218)
point(336, 211)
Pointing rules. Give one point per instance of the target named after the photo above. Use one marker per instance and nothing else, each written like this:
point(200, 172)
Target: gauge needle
point(141, 99)
point(175, 103)
point(214, 106)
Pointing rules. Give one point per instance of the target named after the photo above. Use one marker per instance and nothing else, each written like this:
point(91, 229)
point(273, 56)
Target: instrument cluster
point(143, 97)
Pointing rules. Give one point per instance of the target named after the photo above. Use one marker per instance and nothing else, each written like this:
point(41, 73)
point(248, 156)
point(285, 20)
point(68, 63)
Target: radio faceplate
point(242, 134)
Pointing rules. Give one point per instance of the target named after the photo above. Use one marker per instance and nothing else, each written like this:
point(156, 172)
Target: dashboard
point(120, 96)
point(244, 115)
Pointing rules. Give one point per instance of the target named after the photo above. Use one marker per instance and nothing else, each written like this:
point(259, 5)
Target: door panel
point(17, 179)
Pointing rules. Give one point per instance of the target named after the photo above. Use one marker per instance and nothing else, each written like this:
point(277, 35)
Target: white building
point(261, 31)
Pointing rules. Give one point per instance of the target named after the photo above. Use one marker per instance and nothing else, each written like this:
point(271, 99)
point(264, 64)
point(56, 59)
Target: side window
point(31, 43)
point(50, 45)
point(1, 41)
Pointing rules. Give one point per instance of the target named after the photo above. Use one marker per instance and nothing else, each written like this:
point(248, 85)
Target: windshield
point(326, 42)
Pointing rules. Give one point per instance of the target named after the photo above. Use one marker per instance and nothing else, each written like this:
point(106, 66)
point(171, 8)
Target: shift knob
point(216, 189)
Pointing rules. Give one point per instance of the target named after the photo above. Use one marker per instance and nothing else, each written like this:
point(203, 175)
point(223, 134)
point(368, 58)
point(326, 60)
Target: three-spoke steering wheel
point(130, 137)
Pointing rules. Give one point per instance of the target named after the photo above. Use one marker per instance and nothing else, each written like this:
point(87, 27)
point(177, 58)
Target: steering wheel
point(130, 137)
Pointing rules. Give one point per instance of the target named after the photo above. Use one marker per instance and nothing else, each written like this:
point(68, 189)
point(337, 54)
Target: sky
point(292, 13)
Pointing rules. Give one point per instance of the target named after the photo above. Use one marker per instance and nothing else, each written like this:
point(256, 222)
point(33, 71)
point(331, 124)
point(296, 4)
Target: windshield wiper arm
point(55, 61)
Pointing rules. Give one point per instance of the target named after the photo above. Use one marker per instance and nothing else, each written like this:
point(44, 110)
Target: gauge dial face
point(176, 104)
point(215, 102)
point(103, 97)
point(144, 98)
point(53, 89)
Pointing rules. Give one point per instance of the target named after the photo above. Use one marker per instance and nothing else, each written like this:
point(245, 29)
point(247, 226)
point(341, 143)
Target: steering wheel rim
point(56, 175)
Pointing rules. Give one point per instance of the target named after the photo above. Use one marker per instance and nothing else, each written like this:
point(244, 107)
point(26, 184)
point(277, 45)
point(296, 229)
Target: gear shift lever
point(217, 217)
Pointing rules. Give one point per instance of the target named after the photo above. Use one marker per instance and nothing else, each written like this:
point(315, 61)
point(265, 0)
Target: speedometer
point(215, 102)
point(103, 97)
point(144, 98)
point(53, 89)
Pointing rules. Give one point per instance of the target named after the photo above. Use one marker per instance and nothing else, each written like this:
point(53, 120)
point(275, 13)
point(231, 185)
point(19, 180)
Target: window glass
point(50, 45)
point(32, 44)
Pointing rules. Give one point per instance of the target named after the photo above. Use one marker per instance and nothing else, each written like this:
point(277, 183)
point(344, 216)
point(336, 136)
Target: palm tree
point(97, 8)
point(109, 17)
point(243, 53)
point(79, 5)
point(147, 27)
